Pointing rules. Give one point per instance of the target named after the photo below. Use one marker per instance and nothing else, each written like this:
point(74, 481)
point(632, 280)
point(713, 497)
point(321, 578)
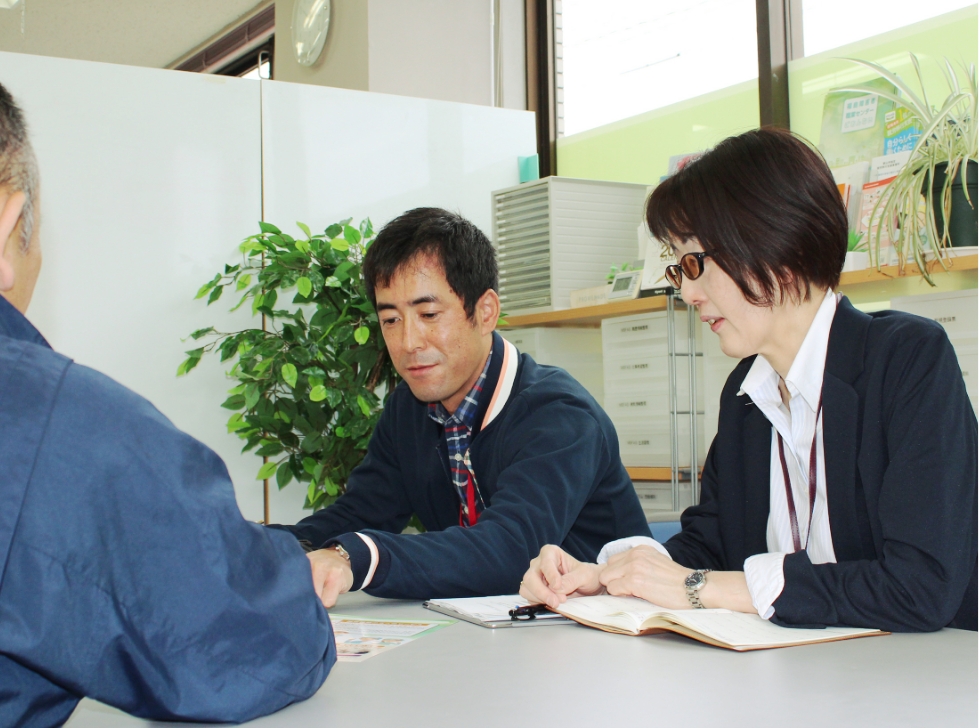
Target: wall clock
point(310, 25)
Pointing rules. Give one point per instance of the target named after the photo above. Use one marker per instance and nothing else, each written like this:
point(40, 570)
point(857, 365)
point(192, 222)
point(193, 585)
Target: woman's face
point(744, 329)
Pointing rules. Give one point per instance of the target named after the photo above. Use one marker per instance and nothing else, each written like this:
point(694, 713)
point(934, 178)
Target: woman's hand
point(555, 576)
point(645, 572)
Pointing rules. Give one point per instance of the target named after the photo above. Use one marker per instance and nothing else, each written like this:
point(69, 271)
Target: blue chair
point(663, 530)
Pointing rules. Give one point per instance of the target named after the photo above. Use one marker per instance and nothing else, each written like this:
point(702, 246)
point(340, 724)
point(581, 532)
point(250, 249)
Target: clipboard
point(492, 612)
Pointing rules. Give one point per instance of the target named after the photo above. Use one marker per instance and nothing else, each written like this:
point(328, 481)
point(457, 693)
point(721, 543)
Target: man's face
point(23, 265)
point(436, 349)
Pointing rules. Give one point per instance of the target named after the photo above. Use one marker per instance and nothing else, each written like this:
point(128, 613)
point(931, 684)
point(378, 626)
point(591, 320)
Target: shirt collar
point(465, 413)
point(15, 325)
point(805, 376)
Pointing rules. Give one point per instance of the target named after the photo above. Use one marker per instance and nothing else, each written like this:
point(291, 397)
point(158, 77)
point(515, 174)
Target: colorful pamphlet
point(853, 124)
point(360, 638)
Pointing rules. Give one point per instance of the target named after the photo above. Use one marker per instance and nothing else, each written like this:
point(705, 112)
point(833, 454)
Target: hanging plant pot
point(962, 227)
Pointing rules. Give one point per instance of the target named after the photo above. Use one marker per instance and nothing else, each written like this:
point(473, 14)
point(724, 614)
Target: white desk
point(466, 675)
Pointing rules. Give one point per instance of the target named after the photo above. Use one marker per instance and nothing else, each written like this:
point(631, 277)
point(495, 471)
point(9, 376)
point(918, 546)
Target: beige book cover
point(719, 627)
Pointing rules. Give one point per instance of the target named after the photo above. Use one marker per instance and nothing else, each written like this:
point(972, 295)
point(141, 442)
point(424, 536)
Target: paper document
point(359, 638)
point(493, 612)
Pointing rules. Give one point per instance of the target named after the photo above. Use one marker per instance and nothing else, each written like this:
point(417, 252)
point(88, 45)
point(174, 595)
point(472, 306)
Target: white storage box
point(558, 235)
point(635, 357)
point(576, 350)
point(657, 497)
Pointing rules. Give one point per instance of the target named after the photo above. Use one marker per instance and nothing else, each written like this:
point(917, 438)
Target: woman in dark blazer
point(841, 486)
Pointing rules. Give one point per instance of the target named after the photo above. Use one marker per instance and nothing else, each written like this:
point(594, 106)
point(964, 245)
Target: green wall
point(638, 149)
point(953, 35)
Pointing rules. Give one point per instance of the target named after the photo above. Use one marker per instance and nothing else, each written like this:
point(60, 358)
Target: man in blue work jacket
point(496, 454)
point(127, 573)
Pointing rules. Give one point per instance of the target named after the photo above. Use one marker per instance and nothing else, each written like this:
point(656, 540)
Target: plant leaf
point(911, 101)
point(361, 335)
point(283, 476)
point(202, 291)
point(340, 244)
point(268, 227)
point(364, 407)
point(317, 393)
point(251, 396)
point(267, 470)
point(289, 374)
point(305, 286)
point(305, 228)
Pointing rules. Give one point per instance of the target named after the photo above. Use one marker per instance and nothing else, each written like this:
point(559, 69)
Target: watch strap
point(693, 592)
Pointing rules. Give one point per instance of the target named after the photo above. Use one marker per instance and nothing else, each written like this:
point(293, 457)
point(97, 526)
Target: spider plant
point(948, 142)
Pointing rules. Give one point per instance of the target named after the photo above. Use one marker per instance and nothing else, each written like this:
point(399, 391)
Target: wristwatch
point(694, 582)
point(340, 550)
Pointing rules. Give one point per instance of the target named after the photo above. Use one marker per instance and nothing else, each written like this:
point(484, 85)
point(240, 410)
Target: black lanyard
point(793, 518)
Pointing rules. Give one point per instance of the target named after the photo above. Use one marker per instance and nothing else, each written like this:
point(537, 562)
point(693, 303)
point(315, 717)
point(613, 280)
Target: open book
point(719, 627)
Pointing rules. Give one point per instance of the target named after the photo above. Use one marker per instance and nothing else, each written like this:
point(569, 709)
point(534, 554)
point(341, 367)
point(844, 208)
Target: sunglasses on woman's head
point(690, 265)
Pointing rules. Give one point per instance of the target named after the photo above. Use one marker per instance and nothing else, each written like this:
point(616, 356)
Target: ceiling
point(134, 32)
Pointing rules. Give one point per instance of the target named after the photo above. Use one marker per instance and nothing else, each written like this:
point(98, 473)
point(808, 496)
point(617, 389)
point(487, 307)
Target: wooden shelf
point(891, 272)
point(659, 474)
point(592, 316)
point(588, 315)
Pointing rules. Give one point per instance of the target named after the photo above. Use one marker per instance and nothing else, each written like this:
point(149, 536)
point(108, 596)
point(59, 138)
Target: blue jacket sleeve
point(158, 597)
point(539, 495)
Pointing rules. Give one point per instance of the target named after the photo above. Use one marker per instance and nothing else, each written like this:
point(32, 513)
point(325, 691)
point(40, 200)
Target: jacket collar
point(841, 428)
point(14, 325)
point(847, 342)
point(499, 383)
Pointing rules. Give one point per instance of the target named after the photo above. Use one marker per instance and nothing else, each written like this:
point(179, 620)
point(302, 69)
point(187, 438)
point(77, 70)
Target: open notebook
point(720, 627)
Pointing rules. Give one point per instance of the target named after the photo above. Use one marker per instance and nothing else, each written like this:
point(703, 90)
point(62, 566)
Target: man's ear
point(11, 205)
point(487, 311)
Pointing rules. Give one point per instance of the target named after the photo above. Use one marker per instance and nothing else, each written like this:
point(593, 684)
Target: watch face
point(694, 580)
point(310, 25)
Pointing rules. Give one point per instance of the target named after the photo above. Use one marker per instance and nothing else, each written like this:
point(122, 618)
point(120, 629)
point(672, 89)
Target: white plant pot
point(856, 260)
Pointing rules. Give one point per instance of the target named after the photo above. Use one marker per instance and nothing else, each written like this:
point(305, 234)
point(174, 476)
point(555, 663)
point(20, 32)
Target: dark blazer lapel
point(757, 454)
point(841, 407)
point(840, 404)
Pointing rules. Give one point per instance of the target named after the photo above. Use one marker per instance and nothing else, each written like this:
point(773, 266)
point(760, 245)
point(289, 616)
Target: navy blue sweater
point(547, 463)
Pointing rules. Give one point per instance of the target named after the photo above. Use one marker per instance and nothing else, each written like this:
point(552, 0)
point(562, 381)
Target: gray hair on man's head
point(18, 165)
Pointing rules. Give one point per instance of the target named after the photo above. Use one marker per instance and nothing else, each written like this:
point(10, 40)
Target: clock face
point(310, 25)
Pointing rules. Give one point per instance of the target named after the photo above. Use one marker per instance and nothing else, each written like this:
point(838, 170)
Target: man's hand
point(554, 576)
point(646, 573)
point(332, 575)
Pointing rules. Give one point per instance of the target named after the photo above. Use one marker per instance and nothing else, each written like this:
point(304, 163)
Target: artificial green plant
point(306, 398)
point(949, 138)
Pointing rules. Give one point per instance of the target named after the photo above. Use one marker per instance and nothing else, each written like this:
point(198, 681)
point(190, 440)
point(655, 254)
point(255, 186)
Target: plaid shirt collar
point(465, 413)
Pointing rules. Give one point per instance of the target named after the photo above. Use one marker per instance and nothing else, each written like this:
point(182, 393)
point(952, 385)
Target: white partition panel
point(333, 153)
point(149, 179)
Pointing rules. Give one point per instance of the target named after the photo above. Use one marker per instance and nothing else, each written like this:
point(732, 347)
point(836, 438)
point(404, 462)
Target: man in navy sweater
point(496, 454)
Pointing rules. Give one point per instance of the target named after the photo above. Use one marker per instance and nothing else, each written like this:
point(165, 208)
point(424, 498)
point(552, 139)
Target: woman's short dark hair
point(465, 253)
point(765, 206)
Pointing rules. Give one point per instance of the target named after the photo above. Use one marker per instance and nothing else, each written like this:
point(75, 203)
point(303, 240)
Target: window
point(619, 58)
point(828, 24)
